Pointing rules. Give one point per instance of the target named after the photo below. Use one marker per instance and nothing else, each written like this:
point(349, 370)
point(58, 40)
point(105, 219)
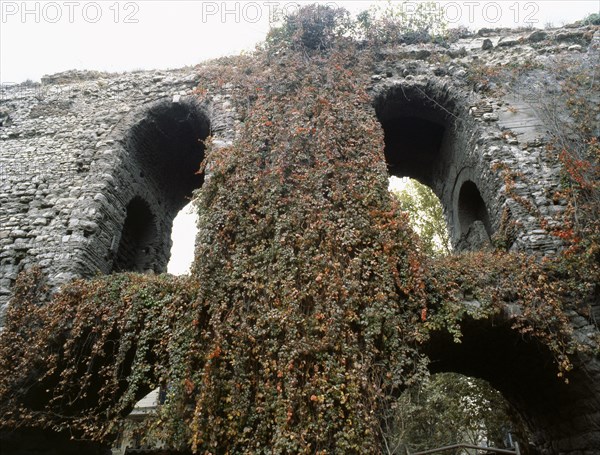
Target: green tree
point(312, 28)
point(401, 22)
point(450, 408)
point(426, 217)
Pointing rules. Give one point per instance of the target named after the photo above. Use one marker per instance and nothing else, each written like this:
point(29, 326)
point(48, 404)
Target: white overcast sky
point(45, 37)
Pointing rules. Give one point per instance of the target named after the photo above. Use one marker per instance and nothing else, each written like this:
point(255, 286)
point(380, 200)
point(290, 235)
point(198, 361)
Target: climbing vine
point(96, 340)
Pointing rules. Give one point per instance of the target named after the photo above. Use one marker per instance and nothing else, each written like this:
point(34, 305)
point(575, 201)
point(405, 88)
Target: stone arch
point(429, 137)
point(160, 154)
point(138, 242)
point(559, 415)
point(471, 207)
point(166, 148)
point(163, 151)
point(471, 216)
point(468, 203)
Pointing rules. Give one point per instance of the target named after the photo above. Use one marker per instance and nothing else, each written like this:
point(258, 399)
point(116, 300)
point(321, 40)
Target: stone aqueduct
point(94, 167)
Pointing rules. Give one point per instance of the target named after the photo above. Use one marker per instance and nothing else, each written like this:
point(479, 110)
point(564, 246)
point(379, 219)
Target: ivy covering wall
point(304, 313)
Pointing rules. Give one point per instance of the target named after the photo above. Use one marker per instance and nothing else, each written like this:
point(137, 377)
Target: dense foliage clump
point(309, 273)
point(81, 361)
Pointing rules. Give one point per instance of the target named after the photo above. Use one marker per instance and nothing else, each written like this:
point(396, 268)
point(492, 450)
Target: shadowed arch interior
point(164, 149)
point(412, 146)
point(168, 144)
point(471, 208)
point(137, 247)
point(518, 366)
point(416, 133)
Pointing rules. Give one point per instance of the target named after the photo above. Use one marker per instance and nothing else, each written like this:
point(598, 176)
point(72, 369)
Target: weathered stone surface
point(538, 35)
point(79, 148)
point(476, 238)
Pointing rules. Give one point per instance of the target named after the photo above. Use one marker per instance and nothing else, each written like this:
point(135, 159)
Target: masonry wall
point(77, 148)
point(486, 131)
point(72, 149)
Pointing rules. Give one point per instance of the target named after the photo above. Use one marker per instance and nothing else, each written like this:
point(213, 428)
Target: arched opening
point(168, 147)
point(163, 152)
point(426, 141)
point(471, 208)
point(451, 408)
point(525, 372)
point(137, 247)
point(419, 139)
point(417, 135)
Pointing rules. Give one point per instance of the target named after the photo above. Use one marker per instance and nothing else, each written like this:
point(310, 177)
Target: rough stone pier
point(95, 166)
